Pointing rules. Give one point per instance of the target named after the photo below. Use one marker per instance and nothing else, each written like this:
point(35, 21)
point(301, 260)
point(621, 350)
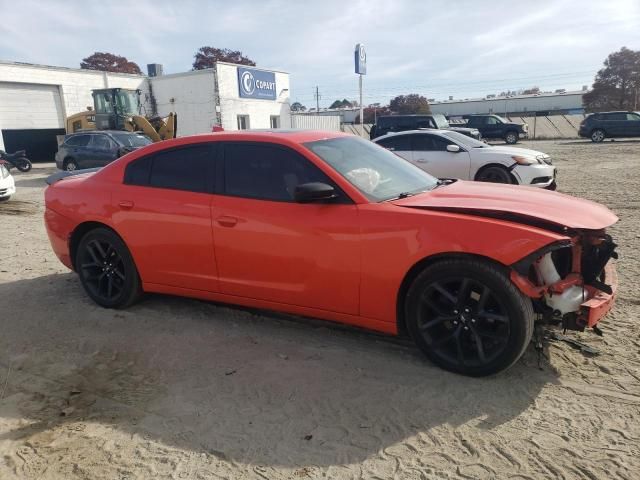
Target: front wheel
point(106, 269)
point(495, 175)
point(511, 138)
point(597, 136)
point(468, 317)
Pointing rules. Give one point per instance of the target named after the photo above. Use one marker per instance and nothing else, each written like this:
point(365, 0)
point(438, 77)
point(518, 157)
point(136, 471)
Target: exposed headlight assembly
point(520, 160)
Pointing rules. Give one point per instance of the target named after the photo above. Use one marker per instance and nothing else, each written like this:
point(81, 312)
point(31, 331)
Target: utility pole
point(317, 95)
point(360, 58)
point(361, 109)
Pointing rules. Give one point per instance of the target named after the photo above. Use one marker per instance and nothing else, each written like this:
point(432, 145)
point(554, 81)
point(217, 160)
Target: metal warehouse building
point(36, 99)
point(550, 103)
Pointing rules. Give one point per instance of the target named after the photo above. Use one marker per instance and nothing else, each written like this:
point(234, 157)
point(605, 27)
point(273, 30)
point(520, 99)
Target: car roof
point(103, 132)
point(435, 131)
point(283, 135)
point(410, 115)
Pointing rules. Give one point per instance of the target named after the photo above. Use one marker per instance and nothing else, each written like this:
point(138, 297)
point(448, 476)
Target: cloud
point(436, 48)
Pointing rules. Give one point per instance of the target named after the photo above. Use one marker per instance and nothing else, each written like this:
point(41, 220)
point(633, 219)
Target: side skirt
point(345, 318)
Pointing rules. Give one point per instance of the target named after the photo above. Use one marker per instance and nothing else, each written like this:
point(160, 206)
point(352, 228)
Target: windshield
point(131, 140)
point(379, 174)
point(464, 140)
point(127, 101)
point(441, 121)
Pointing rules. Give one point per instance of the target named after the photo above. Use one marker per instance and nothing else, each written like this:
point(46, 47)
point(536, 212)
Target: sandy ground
point(176, 388)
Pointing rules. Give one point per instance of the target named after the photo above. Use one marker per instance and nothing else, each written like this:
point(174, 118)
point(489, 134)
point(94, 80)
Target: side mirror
point(314, 192)
point(453, 148)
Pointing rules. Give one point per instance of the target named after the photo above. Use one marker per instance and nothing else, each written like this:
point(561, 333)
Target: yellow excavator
point(119, 109)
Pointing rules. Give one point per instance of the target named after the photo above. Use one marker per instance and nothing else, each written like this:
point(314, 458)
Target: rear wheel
point(511, 138)
point(106, 269)
point(495, 174)
point(70, 165)
point(467, 317)
point(23, 164)
point(597, 136)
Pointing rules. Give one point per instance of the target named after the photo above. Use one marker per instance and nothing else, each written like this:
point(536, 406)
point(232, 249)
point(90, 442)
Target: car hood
point(523, 152)
point(528, 205)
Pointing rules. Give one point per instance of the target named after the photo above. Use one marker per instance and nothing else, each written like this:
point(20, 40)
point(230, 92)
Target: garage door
point(28, 105)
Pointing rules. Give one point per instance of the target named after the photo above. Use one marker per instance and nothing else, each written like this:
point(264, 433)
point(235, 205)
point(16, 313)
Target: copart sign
point(254, 83)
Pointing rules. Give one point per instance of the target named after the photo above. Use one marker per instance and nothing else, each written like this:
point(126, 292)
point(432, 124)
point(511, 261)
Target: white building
point(347, 115)
point(36, 99)
point(565, 102)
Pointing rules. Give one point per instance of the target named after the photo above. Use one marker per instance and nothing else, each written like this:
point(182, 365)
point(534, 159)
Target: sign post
point(360, 57)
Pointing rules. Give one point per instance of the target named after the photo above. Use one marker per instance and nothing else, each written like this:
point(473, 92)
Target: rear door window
point(100, 142)
point(399, 143)
point(186, 168)
point(422, 143)
point(615, 117)
point(78, 141)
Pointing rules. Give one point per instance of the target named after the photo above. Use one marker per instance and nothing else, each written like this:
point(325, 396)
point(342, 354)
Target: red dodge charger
point(332, 226)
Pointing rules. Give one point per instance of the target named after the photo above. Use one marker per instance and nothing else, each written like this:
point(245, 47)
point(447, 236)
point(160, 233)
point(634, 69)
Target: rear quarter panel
point(69, 203)
point(395, 238)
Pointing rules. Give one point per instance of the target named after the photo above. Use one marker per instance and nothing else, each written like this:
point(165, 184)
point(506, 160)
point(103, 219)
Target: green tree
point(297, 107)
point(206, 57)
point(617, 85)
point(344, 103)
point(108, 62)
point(409, 104)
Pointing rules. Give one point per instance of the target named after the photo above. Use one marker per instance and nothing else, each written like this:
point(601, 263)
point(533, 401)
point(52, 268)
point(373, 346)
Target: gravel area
point(175, 388)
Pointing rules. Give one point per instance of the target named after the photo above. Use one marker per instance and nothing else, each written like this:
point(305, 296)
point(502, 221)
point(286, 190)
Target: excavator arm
point(156, 128)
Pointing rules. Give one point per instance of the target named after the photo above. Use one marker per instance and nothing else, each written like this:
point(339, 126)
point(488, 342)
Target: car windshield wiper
point(402, 195)
point(443, 182)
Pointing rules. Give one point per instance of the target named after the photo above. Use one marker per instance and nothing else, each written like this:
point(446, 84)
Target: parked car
point(497, 127)
point(7, 185)
point(599, 126)
point(330, 225)
point(447, 154)
point(92, 149)
point(400, 123)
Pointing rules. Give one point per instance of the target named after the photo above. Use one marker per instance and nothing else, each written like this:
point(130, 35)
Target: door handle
point(422, 160)
point(126, 204)
point(227, 221)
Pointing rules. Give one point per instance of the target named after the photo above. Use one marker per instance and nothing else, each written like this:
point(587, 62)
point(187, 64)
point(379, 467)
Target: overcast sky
point(436, 48)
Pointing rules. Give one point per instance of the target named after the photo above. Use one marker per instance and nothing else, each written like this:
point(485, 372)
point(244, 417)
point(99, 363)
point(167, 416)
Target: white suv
point(447, 154)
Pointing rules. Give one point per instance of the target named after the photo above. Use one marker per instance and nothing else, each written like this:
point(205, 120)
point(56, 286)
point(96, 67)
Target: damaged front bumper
point(572, 282)
point(599, 303)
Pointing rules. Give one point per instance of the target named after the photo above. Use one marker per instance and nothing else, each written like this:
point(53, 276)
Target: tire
point(598, 135)
point(5, 199)
point(491, 312)
point(23, 164)
point(106, 269)
point(70, 165)
point(495, 174)
point(511, 137)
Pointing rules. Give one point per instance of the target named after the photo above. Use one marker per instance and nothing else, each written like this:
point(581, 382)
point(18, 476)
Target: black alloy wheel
point(468, 317)
point(106, 269)
point(495, 175)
